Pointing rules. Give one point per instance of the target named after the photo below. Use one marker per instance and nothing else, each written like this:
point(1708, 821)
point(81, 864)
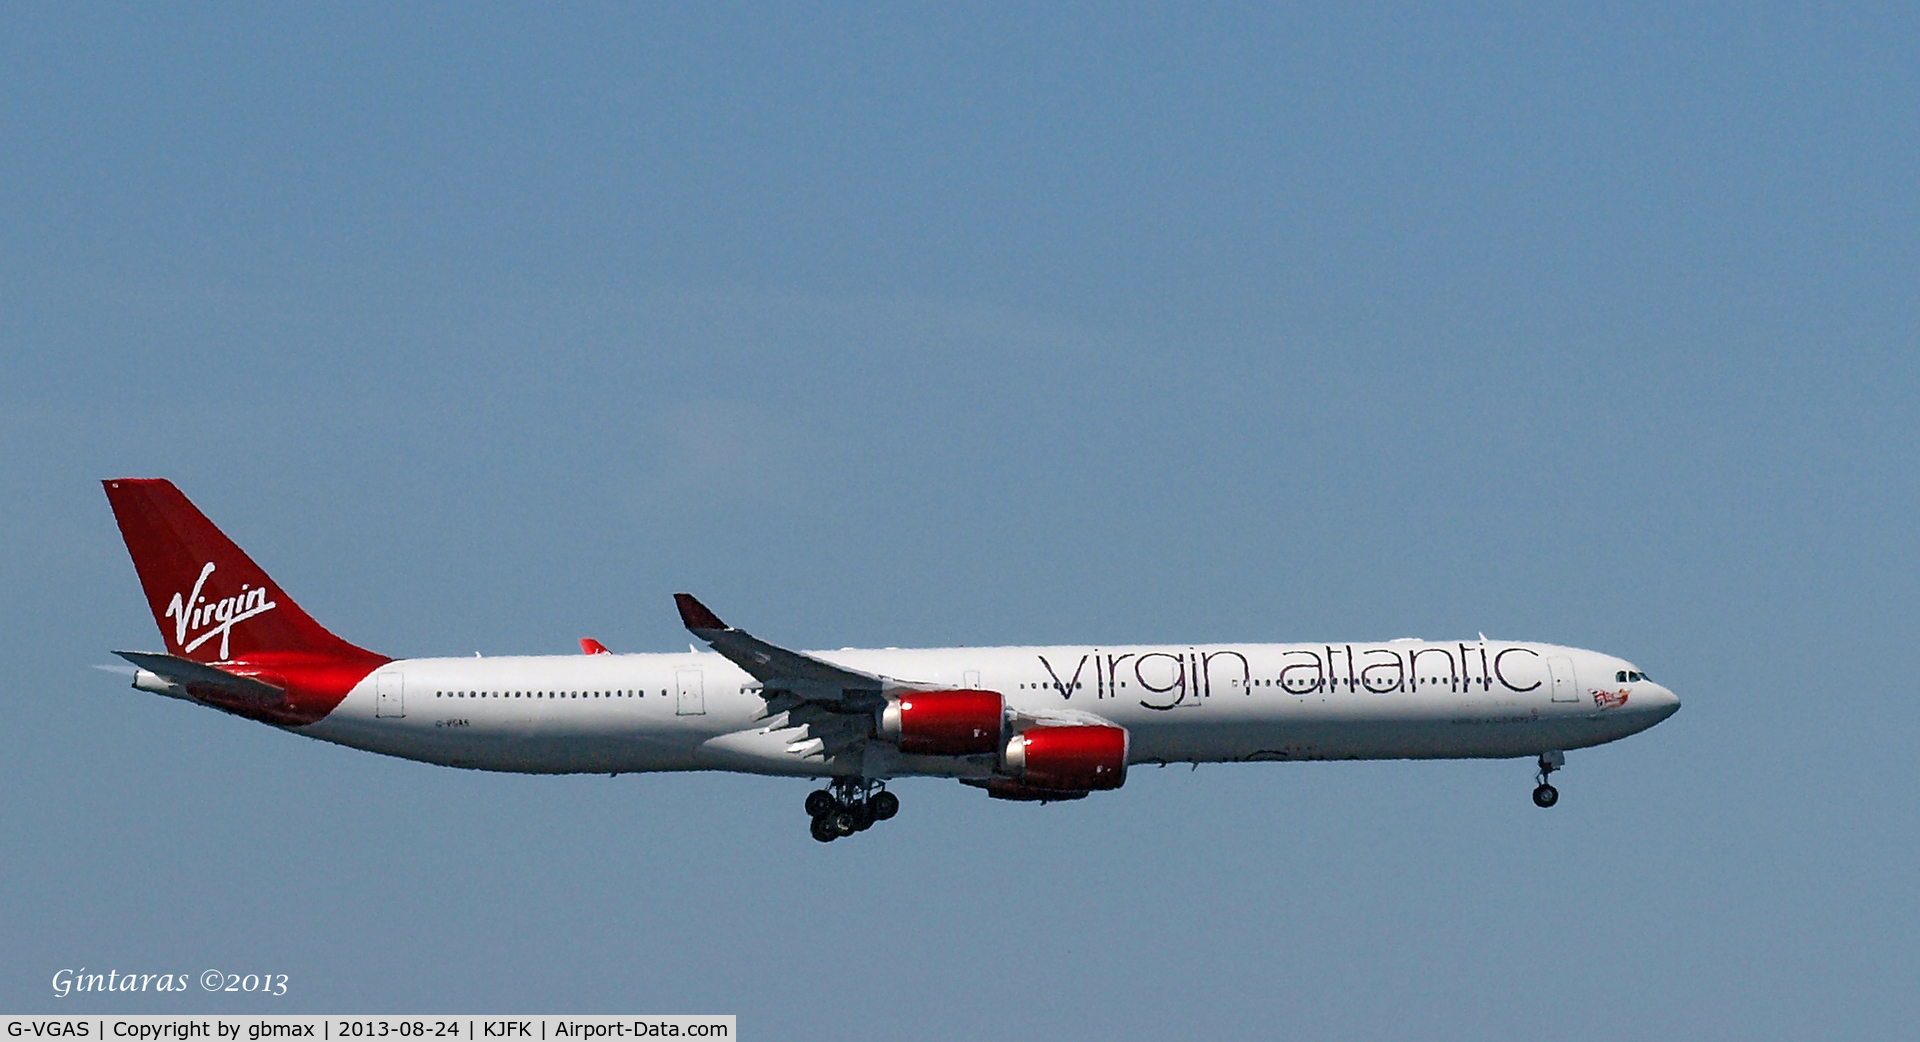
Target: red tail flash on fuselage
point(213, 604)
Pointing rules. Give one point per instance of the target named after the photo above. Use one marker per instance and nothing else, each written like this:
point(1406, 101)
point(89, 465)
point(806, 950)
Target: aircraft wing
point(828, 707)
point(780, 670)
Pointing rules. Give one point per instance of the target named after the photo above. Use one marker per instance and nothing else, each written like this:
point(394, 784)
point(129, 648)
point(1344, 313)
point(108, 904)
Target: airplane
point(1023, 723)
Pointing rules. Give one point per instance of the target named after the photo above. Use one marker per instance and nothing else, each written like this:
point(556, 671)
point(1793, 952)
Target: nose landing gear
point(850, 805)
point(1545, 795)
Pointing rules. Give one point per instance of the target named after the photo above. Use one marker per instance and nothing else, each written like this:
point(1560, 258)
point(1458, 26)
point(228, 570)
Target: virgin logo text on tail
point(193, 612)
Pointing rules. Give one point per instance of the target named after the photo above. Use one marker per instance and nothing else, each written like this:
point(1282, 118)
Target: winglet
point(589, 646)
point(695, 615)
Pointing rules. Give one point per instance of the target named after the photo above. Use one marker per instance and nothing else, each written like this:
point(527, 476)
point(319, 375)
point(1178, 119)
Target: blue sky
point(487, 328)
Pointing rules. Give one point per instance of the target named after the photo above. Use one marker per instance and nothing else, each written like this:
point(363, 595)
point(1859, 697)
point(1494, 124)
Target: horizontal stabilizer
point(204, 681)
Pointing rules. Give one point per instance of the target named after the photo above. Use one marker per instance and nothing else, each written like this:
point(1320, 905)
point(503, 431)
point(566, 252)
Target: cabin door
point(392, 695)
point(693, 693)
point(1564, 688)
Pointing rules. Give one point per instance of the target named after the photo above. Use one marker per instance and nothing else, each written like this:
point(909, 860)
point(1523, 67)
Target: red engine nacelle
point(945, 723)
point(1079, 757)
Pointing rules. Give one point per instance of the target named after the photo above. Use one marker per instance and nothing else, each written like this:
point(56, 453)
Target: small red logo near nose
point(1610, 699)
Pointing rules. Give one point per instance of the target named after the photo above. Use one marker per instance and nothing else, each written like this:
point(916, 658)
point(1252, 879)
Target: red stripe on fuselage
point(314, 685)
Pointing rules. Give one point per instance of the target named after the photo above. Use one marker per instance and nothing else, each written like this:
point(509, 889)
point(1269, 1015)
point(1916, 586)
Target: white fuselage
point(1179, 703)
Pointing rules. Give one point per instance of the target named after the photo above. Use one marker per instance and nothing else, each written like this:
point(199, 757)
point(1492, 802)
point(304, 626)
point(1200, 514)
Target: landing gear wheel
point(842, 822)
point(823, 830)
point(820, 803)
point(862, 816)
point(885, 805)
point(1550, 761)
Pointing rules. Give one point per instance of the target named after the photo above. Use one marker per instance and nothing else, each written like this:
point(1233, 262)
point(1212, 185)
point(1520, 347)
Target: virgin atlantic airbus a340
point(1022, 723)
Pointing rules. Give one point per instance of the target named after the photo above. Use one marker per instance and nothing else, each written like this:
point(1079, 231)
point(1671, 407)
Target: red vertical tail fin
point(212, 603)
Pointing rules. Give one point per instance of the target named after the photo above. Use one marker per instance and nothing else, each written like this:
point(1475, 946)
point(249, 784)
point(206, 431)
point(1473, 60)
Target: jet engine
point(1076, 757)
point(944, 723)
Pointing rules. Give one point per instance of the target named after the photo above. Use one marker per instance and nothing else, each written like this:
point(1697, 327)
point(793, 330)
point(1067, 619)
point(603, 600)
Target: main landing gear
point(850, 805)
point(1545, 795)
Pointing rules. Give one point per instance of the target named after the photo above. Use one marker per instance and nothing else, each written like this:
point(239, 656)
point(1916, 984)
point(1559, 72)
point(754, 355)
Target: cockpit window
point(1627, 675)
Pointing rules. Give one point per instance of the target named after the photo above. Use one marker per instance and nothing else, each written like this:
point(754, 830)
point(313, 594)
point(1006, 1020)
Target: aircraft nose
point(1661, 702)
